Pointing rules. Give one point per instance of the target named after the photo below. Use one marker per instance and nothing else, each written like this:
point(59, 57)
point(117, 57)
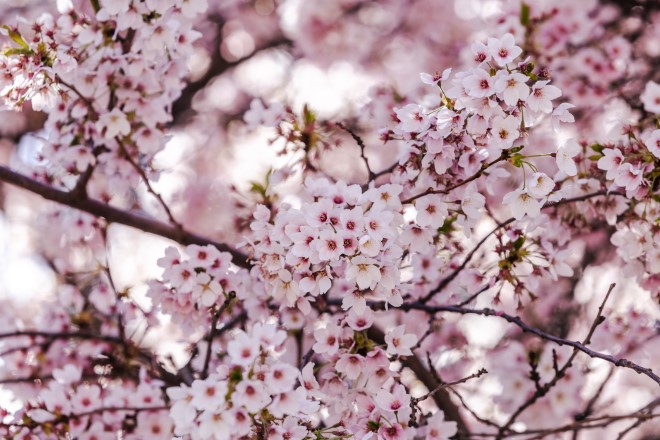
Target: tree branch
point(116, 215)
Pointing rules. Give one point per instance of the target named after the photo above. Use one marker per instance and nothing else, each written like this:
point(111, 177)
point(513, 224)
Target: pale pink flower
point(503, 50)
point(651, 97)
point(439, 429)
point(652, 142)
point(208, 394)
point(412, 118)
point(393, 401)
point(610, 162)
point(400, 343)
point(327, 339)
point(512, 87)
point(251, 394)
point(539, 185)
point(242, 349)
point(505, 131)
point(364, 271)
point(351, 365)
point(431, 211)
point(112, 124)
point(540, 99)
point(628, 177)
point(564, 158)
point(479, 84)
point(522, 203)
point(561, 114)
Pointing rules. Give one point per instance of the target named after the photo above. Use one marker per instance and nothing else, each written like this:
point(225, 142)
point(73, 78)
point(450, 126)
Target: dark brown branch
point(418, 305)
point(116, 215)
point(214, 324)
point(441, 386)
point(183, 105)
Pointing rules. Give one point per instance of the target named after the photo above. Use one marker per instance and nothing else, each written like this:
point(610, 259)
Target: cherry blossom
point(255, 227)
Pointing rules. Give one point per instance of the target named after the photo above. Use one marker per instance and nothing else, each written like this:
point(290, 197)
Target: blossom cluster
point(349, 295)
point(105, 85)
point(341, 231)
point(192, 287)
point(251, 392)
point(482, 119)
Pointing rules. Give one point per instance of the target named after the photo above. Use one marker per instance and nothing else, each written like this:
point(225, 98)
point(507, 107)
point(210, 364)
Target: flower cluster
point(482, 120)
point(105, 85)
point(252, 392)
point(193, 286)
point(358, 309)
point(342, 232)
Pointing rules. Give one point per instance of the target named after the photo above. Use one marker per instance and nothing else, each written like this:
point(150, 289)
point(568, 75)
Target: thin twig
point(214, 323)
point(544, 389)
point(151, 190)
point(360, 142)
point(445, 281)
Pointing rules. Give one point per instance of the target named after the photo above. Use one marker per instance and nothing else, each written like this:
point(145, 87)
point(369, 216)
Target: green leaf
point(308, 115)
point(258, 188)
point(595, 157)
point(448, 226)
point(14, 35)
point(17, 51)
point(524, 14)
point(517, 160)
point(598, 148)
point(519, 242)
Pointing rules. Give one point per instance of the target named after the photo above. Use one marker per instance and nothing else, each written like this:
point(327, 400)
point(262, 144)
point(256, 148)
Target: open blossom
point(400, 343)
point(522, 203)
point(503, 50)
point(431, 211)
point(352, 365)
point(258, 114)
point(628, 177)
point(479, 84)
point(651, 97)
point(252, 395)
point(440, 429)
point(412, 118)
point(393, 401)
point(539, 185)
point(565, 155)
point(433, 79)
point(364, 271)
point(480, 52)
point(114, 123)
point(541, 96)
point(327, 339)
point(652, 142)
point(610, 162)
point(242, 349)
point(505, 131)
point(512, 87)
point(561, 114)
